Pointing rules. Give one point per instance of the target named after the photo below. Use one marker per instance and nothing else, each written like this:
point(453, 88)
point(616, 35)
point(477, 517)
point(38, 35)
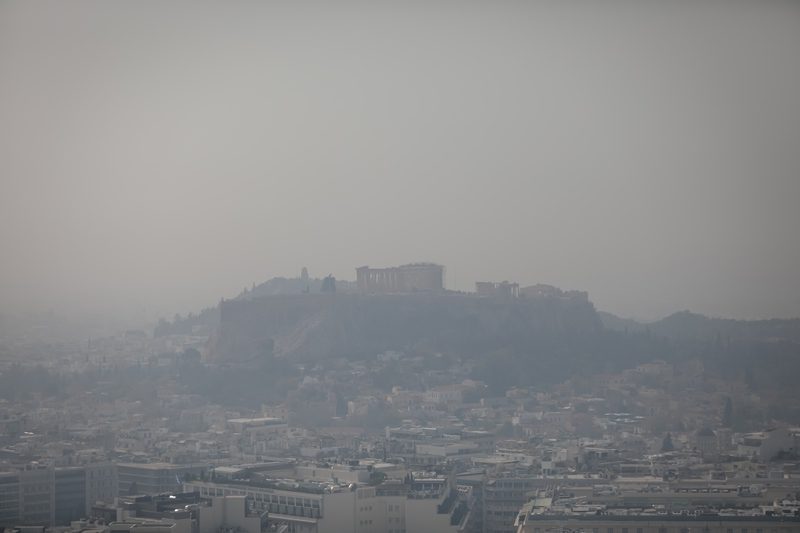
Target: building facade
point(152, 478)
point(422, 504)
point(54, 496)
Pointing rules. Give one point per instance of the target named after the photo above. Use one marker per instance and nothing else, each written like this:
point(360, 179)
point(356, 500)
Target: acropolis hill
point(387, 312)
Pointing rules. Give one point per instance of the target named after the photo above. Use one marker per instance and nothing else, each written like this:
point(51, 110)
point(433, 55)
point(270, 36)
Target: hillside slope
point(313, 326)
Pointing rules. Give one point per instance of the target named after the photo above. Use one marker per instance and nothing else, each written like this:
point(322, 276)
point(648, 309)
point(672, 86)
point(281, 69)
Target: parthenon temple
point(406, 278)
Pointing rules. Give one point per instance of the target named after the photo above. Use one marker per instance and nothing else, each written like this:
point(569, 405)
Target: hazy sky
point(155, 156)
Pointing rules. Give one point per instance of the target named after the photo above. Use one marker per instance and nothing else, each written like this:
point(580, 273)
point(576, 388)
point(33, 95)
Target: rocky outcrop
point(313, 326)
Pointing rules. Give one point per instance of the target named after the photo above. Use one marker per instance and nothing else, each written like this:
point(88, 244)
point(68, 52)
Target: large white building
point(427, 502)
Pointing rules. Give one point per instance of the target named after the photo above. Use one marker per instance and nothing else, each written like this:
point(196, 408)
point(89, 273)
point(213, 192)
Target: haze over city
point(155, 157)
point(400, 267)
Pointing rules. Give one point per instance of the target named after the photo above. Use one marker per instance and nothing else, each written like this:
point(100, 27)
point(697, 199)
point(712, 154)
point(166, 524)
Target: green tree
point(727, 413)
point(666, 444)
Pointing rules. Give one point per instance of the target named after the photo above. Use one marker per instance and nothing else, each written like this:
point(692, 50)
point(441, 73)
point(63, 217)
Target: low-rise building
point(544, 513)
point(153, 478)
point(425, 501)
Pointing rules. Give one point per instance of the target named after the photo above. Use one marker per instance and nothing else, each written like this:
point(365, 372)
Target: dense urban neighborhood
point(261, 415)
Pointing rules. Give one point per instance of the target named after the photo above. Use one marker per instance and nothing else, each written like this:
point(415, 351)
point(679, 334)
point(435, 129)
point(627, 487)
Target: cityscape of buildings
point(113, 435)
point(551, 267)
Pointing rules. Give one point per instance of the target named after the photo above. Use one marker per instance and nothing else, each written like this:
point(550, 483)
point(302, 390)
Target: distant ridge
point(615, 323)
point(685, 325)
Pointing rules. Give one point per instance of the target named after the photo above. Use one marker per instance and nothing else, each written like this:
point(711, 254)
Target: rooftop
point(587, 509)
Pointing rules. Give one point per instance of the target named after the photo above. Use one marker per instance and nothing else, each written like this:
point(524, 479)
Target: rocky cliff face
point(314, 326)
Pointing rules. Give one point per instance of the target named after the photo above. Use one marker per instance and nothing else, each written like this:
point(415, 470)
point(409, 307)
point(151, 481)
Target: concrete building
point(441, 452)
point(101, 484)
point(406, 278)
point(303, 507)
point(226, 514)
point(9, 498)
point(259, 426)
point(182, 512)
point(544, 515)
point(502, 499)
point(433, 504)
point(425, 502)
point(163, 513)
point(152, 478)
point(28, 497)
point(37, 496)
point(336, 473)
point(69, 495)
point(446, 394)
point(54, 496)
